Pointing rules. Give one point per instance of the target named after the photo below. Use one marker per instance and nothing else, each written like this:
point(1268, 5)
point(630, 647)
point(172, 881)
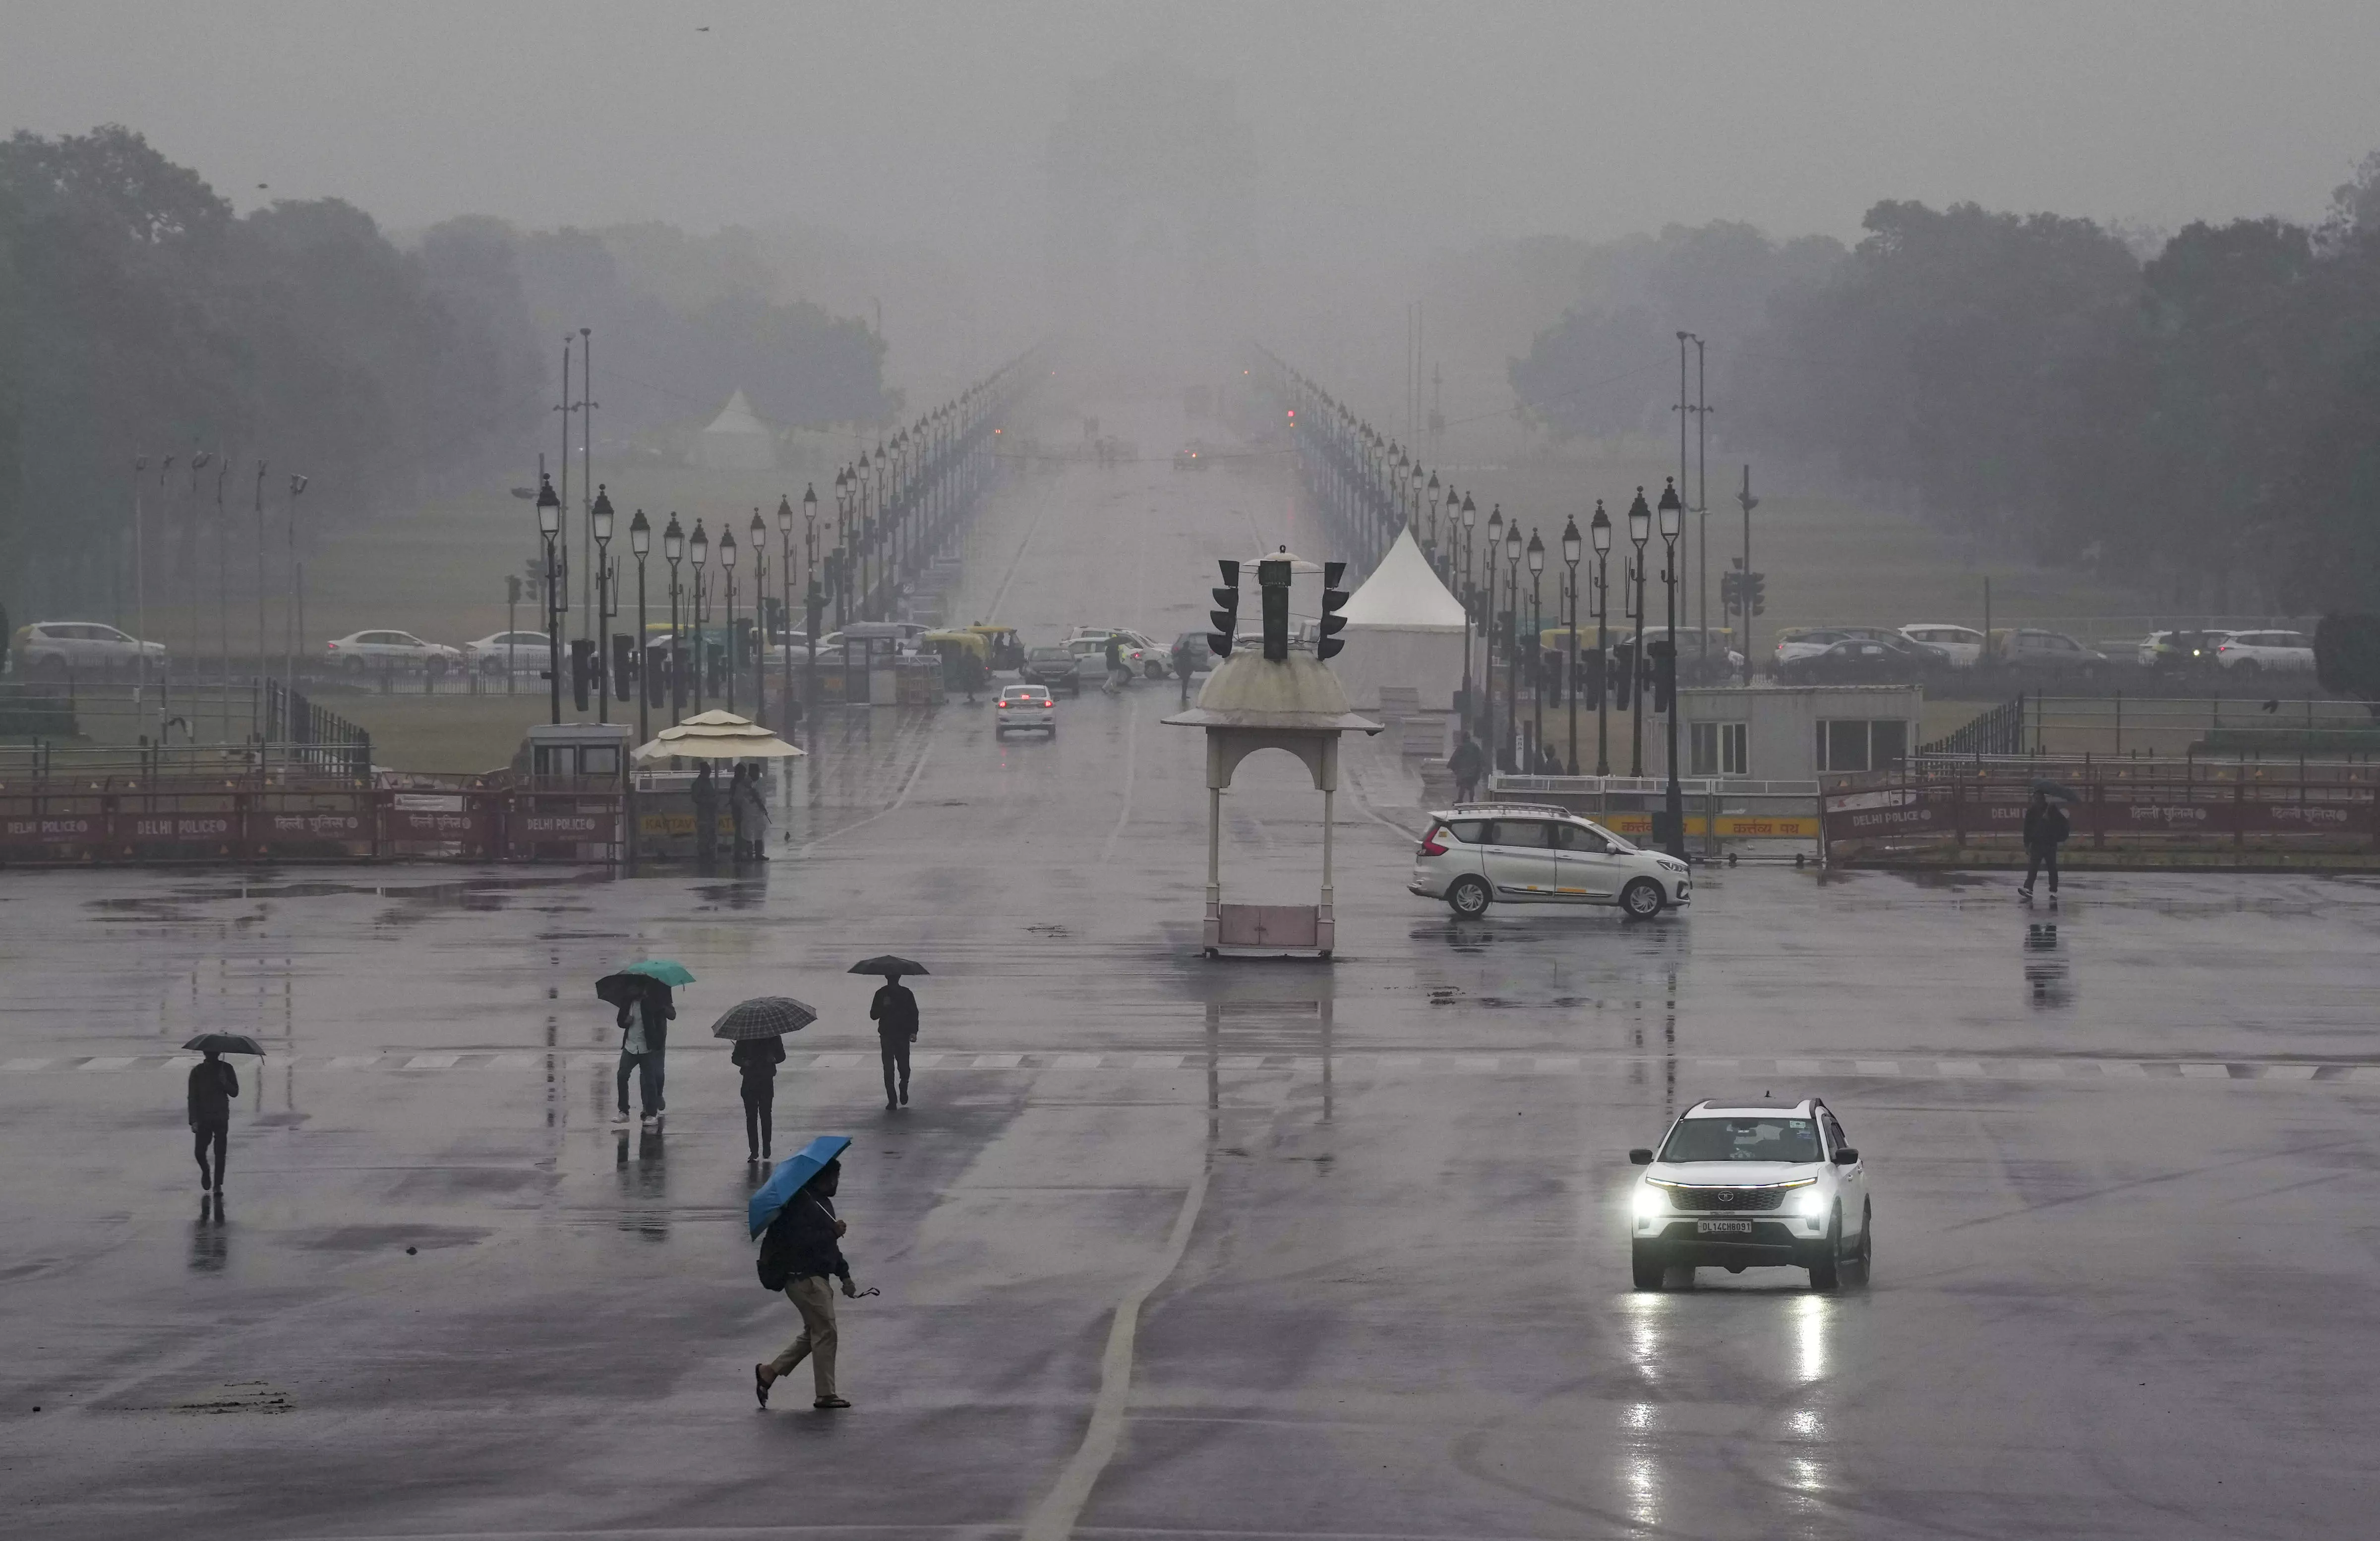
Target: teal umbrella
point(619, 989)
point(668, 971)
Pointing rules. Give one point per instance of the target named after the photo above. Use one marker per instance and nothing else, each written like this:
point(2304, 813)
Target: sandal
point(825, 1402)
point(760, 1383)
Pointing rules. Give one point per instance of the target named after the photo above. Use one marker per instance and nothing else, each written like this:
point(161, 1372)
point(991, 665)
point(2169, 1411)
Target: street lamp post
point(697, 551)
point(1671, 511)
point(1536, 646)
point(1640, 529)
point(1599, 536)
point(1487, 596)
point(1470, 608)
point(1571, 550)
point(549, 526)
point(785, 609)
point(1513, 647)
point(760, 546)
point(727, 568)
point(674, 551)
point(640, 543)
point(814, 603)
point(599, 525)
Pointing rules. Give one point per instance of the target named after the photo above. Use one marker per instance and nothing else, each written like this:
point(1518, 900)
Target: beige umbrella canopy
point(717, 735)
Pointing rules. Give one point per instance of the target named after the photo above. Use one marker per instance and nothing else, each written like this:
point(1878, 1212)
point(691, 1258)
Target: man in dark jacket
point(757, 1059)
point(802, 1239)
point(214, 1083)
point(644, 1020)
point(895, 1010)
point(2045, 827)
point(1466, 764)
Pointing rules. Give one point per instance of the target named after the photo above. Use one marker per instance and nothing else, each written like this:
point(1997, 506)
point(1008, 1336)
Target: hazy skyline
point(1403, 127)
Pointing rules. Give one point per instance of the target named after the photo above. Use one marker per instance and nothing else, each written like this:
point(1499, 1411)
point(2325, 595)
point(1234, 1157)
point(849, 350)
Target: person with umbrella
point(214, 1085)
point(2045, 829)
point(749, 810)
point(895, 1012)
point(758, 1028)
point(641, 991)
point(799, 1254)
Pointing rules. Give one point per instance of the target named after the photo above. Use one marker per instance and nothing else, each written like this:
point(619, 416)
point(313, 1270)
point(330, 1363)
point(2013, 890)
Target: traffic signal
point(1730, 591)
point(624, 665)
point(1590, 675)
point(1624, 677)
point(1334, 598)
point(1226, 614)
point(1759, 582)
point(512, 588)
point(582, 668)
point(1664, 659)
point(1272, 589)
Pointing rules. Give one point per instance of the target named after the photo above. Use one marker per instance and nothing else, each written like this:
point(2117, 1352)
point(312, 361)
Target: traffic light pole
point(1744, 590)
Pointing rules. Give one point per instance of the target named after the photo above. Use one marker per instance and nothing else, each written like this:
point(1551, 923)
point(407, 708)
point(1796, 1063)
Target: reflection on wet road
point(2121, 1156)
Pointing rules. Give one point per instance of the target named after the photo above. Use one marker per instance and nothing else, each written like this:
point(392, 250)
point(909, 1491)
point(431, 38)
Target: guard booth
point(571, 787)
point(870, 667)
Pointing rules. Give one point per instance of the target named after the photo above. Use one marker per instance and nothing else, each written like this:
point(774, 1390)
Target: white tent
point(1404, 630)
point(736, 441)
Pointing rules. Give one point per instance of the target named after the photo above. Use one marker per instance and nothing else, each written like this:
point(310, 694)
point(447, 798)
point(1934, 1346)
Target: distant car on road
point(1027, 706)
point(1854, 661)
point(521, 651)
point(1140, 653)
point(2179, 651)
point(2047, 652)
point(1962, 646)
point(2287, 652)
point(364, 652)
point(1194, 649)
point(53, 649)
point(1057, 668)
point(1751, 1185)
point(1526, 853)
point(1809, 641)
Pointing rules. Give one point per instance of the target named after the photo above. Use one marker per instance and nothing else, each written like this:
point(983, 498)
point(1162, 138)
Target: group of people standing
point(748, 810)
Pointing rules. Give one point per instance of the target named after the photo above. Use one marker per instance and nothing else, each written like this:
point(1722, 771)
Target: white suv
point(1751, 1185)
point(53, 649)
point(2288, 652)
point(1527, 853)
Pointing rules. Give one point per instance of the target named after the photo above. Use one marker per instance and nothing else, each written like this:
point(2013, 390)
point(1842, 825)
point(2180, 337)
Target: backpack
point(776, 1261)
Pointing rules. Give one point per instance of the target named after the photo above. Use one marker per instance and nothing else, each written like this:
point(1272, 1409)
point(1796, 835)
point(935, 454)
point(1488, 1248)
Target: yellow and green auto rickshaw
point(1007, 648)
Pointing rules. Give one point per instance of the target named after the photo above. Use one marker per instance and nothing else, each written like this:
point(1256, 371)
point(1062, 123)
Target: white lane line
point(22, 1065)
point(112, 1061)
point(1053, 1518)
point(432, 1061)
point(2208, 1073)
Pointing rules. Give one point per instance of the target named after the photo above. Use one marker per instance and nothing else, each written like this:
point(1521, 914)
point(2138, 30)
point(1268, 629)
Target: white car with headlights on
point(1027, 706)
point(1531, 853)
point(1751, 1185)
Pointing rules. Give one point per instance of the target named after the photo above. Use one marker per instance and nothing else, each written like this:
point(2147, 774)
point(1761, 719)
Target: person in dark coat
point(706, 813)
point(644, 1019)
point(757, 1059)
point(895, 1010)
point(749, 807)
point(802, 1242)
point(213, 1085)
point(1465, 765)
point(971, 674)
point(2044, 830)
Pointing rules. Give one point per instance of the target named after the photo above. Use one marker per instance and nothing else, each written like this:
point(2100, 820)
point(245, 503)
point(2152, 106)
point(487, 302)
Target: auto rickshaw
point(954, 648)
point(1007, 649)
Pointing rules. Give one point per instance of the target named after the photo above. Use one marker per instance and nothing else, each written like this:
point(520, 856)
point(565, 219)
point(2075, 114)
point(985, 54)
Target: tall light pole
point(1536, 644)
point(1702, 503)
point(1640, 529)
point(697, 551)
point(223, 587)
point(785, 609)
point(139, 579)
point(1685, 410)
point(814, 605)
point(1671, 511)
point(758, 543)
point(296, 590)
point(1488, 618)
point(1512, 648)
point(1599, 536)
point(1572, 548)
point(727, 568)
point(674, 551)
point(599, 528)
point(1470, 611)
point(548, 528)
point(263, 644)
point(640, 545)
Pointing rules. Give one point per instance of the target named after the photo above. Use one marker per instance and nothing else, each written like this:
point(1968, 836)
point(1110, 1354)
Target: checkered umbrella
point(767, 1016)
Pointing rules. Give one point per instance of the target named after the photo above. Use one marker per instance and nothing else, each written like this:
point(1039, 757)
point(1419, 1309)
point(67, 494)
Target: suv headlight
point(1671, 864)
point(1810, 1203)
point(1649, 1202)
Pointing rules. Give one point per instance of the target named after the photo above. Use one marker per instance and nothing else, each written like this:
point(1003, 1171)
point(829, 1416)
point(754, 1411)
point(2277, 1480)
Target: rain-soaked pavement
point(2123, 1155)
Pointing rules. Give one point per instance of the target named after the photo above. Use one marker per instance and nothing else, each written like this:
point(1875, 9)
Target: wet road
point(2123, 1157)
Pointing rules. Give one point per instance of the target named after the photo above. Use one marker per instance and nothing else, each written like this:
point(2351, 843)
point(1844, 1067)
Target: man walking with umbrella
point(2045, 829)
point(895, 1010)
point(799, 1255)
point(214, 1085)
point(757, 1027)
point(641, 991)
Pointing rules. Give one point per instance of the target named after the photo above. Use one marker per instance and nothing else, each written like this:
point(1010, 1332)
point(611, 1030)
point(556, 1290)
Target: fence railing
point(2000, 731)
point(61, 826)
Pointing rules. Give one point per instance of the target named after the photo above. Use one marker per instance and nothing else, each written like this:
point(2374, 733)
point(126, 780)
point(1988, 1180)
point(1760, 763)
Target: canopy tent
point(716, 735)
point(1403, 629)
point(736, 441)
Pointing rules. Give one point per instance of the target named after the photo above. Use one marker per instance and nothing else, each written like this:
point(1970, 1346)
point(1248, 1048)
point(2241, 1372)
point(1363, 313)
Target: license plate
point(1723, 1228)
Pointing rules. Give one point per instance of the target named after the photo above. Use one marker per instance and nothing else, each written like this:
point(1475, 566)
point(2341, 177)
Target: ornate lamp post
point(549, 526)
point(814, 602)
point(1536, 642)
point(697, 551)
point(1487, 593)
point(674, 551)
point(785, 608)
point(1572, 548)
point(1442, 558)
point(1640, 529)
point(727, 568)
point(1600, 537)
point(600, 521)
point(1671, 510)
point(1467, 533)
point(759, 661)
point(640, 545)
point(1512, 646)
point(860, 507)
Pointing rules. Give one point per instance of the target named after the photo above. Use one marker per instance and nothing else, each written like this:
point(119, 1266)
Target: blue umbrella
point(790, 1173)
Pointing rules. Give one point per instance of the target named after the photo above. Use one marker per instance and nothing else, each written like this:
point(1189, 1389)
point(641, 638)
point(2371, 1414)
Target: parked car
point(1024, 706)
point(2179, 651)
point(1524, 853)
point(2289, 652)
point(1962, 645)
point(1750, 1185)
point(1808, 641)
point(1140, 653)
point(1193, 646)
point(53, 649)
point(2048, 652)
point(1856, 661)
point(520, 651)
point(1056, 668)
point(377, 651)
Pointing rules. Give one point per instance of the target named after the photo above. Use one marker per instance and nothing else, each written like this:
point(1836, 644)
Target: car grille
point(1726, 1200)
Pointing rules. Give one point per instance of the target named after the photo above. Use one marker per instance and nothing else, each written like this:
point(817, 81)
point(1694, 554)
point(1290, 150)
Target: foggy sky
point(1390, 129)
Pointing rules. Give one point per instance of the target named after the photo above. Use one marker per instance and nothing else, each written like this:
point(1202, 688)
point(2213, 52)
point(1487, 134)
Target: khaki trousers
point(814, 1298)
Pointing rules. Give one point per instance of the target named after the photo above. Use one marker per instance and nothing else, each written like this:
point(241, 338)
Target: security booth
point(871, 651)
point(1278, 697)
point(570, 791)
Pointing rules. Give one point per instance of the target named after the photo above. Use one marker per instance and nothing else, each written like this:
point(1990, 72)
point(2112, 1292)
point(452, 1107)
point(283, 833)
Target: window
point(1742, 1139)
point(1716, 749)
point(1471, 832)
point(1522, 833)
point(1860, 744)
point(1575, 837)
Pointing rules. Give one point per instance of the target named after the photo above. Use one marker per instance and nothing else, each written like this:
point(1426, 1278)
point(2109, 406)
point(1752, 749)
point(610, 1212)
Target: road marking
point(113, 1062)
point(1053, 1518)
point(23, 1065)
point(2208, 1073)
point(1876, 1067)
point(432, 1061)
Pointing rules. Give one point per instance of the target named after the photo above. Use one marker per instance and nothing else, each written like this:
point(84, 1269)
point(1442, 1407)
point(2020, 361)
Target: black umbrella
point(2062, 792)
point(888, 965)
point(224, 1043)
point(767, 1016)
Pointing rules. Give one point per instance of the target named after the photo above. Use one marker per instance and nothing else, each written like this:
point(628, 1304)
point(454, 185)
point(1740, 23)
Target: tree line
point(2199, 415)
point(141, 317)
